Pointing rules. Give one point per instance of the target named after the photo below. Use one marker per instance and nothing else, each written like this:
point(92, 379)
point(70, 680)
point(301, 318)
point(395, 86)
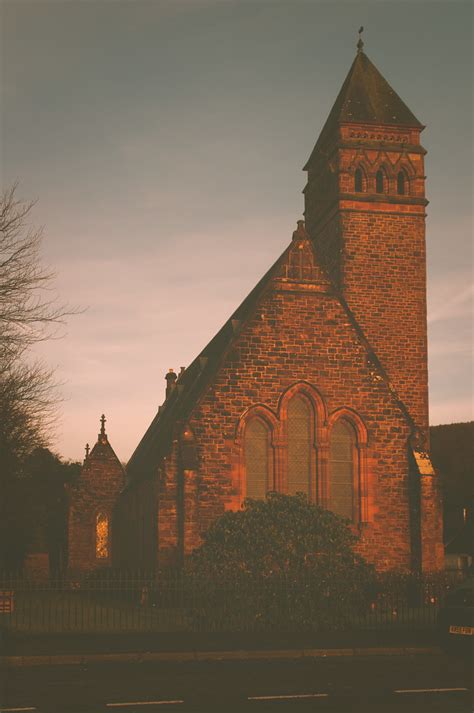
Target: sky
point(164, 142)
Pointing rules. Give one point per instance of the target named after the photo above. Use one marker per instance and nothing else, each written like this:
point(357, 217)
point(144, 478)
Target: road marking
point(429, 690)
point(12, 710)
point(286, 697)
point(144, 703)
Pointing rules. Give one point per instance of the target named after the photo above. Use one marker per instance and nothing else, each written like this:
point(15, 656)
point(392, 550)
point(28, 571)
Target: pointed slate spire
point(366, 98)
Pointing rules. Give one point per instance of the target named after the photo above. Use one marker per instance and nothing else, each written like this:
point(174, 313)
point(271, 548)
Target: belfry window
point(358, 181)
point(379, 181)
point(341, 476)
point(102, 535)
point(257, 460)
point(299, 446)
point(401, 180)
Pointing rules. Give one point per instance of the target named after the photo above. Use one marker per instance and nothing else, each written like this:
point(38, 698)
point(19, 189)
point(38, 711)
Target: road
point(375, 684)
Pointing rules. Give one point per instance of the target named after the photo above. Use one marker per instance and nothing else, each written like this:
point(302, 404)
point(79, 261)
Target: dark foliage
point(35, 512)
point(452, 451)
point(283, 562)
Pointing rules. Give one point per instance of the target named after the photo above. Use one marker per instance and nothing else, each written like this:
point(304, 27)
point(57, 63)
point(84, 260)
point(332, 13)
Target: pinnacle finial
point(360, 44)
point(87, 450)
point(102, 425)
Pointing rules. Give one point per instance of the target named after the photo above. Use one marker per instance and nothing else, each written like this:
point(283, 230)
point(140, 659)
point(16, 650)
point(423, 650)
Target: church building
point(318, 382)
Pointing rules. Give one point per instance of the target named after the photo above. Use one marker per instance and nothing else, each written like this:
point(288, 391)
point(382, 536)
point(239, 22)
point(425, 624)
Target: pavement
point(203, 656)
point(80, 649)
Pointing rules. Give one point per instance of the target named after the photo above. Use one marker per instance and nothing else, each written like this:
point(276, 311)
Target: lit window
point(299, 446)
point(256, 446)
point(102, 536)
point(341, 479)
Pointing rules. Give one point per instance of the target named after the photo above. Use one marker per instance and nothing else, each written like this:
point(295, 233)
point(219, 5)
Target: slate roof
point(366, 98)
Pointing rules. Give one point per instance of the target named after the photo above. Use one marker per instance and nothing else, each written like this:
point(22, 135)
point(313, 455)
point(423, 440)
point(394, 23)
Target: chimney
point(170, 382)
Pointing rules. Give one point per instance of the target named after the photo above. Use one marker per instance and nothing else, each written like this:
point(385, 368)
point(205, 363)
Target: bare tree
point(29, 313)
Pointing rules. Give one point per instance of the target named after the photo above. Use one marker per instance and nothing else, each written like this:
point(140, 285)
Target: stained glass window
point(102, 535)
point(256, 458)
point(341, 485)
point(299, 446)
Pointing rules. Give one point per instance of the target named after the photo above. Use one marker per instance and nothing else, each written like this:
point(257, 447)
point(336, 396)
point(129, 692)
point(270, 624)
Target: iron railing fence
point(111, 601)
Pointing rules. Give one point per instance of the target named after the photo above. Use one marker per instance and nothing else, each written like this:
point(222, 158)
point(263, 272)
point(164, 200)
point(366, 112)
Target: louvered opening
point(299, 446)
point(256, 458)
point(342, 470)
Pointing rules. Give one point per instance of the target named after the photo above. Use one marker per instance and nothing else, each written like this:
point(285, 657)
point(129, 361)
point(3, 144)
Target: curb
point(186, 656)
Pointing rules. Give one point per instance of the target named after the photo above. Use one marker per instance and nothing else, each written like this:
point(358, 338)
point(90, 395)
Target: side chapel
point(318, 382)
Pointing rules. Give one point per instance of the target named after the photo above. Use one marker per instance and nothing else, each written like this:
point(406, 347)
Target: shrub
point(279, 563)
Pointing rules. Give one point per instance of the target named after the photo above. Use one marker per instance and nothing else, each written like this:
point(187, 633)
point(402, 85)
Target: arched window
point(358, 181)
point(299, 446)
point(256, 445)
point(379, 181)
point(102, 535)
point(342, 464)
point(401, 183)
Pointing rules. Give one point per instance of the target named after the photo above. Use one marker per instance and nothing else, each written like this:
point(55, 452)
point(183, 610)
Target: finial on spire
point(102, 425)
point(360, 44)
point(87, 449)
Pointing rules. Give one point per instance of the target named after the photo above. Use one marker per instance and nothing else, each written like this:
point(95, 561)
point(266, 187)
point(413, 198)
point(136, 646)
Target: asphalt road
point(375, 684)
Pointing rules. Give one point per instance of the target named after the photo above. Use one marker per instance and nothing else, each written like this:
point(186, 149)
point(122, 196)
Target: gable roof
point(192, 383)
point(366, 98)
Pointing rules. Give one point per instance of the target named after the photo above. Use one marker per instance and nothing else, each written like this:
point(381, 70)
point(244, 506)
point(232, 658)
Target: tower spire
point(360, 44)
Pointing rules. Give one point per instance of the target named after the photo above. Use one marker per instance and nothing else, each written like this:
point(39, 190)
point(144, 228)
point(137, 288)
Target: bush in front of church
point(281, 563)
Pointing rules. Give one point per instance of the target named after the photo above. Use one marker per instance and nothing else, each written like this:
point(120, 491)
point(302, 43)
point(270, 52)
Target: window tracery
point(256, 445)
point(299, 446)
point(341, 469)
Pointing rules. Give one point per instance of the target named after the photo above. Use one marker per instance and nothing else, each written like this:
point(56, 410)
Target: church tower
point(317, 383)
point(365, 211)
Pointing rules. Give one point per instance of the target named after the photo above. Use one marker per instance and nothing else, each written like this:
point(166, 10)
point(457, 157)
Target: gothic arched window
point(299, 446)
point(342, 467)
point(379, 181)
point(102, 535)
point(358, 181)
point(257, 458)
point(401, 183)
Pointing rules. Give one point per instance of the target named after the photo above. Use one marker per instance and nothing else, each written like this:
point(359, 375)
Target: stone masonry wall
point(99, 484)
point(299, 336)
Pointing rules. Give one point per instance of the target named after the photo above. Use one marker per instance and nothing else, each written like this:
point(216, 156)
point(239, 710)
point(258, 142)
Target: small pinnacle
point(102, 425)
point(360, 43)
point(87, 449)
point(300, 231)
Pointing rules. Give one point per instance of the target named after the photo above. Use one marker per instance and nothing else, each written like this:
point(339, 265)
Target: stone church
point(318, 382)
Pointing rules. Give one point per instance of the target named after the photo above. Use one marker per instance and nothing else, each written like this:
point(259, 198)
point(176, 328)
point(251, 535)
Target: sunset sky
point(164, 142)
